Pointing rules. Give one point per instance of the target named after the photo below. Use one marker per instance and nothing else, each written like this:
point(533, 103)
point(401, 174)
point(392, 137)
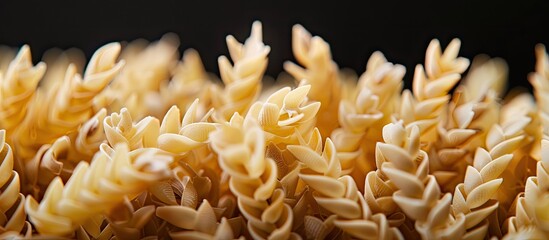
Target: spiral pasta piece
point(285, 114)
point(12, 211)
point(419, 195)
point(431, 85)
point(339, 194)
point(72, 103)
point(242, 79)
point(483, 179)
point(370, 105)
point(319, 71)
point(17, 88)
point(540, 81)
point(253, 178)
point(93, 189)
point(120, 128)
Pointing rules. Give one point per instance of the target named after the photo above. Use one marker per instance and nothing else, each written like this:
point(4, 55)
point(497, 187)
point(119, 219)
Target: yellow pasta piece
point(285, 114)
point(319, 71)
point(431, 85)
point(96, 188)
point(242, 79)
point(253, 178)
point(69, 104)
point(12, 211)
point(19, 84)
point(419, 195)
point(338, 194)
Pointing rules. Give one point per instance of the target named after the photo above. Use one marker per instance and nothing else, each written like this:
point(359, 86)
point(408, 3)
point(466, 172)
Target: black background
point(401, 30)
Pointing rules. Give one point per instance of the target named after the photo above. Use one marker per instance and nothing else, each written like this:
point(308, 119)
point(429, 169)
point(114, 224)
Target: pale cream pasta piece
point(431, 85)
point(12, 210)
point(540, 81)
point(240, 145)
point(319, 71)
point(419, 195)
point(94, 189)
point(120, 128)
point(285, 115)
point(483, 179)
point(17, 88)
point(181, 135)
point(369, 104)
point(243, 78)
point(338, 193)
point(70, 104)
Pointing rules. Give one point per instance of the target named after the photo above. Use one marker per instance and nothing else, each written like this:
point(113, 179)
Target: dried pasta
point(145, 145)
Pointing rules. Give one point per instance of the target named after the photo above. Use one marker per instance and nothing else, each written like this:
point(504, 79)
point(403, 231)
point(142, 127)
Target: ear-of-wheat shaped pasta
point(540, 82)
point(70, 104)
point(419, 195)
point(96, 188)
point(482, 180)
point(431, 86)
point(285, 114)
point(241, 148)
point(12, 212)
point(319, 71)
point(339, 194)
point(17, 88)
point(369, 104)
point(242, 79)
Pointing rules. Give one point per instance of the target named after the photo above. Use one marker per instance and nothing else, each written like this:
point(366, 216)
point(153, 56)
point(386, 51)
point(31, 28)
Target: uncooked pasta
point(139, 144)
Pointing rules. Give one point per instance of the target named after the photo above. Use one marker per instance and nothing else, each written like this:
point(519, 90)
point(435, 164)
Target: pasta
point(419, 195)
point(243, 79)
point(72, 105)
point(144, 145)
point(11, 200)
point(431, 85)
point(19, 85)
point(319, 71)
point(96, 188)
point(253, 178)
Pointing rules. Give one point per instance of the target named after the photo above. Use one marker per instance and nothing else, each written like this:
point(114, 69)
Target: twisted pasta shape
point(285, 114)
point(339, 194)
point(17, 88)
point(483, 179)
point(360, 114)
point(241, 148)
point(72, 103)
point(419, 195)
point(92, 189)
point(120, 128)
point(319, 71)
point(12, 211)
point(180, 136)
point(243, 79)
point(431, 86)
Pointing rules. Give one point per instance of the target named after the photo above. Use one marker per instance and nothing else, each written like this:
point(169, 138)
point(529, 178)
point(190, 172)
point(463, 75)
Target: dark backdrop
point(401, 30)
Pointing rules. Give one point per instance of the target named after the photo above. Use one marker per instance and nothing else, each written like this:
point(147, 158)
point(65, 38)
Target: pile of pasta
point(140, 144)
